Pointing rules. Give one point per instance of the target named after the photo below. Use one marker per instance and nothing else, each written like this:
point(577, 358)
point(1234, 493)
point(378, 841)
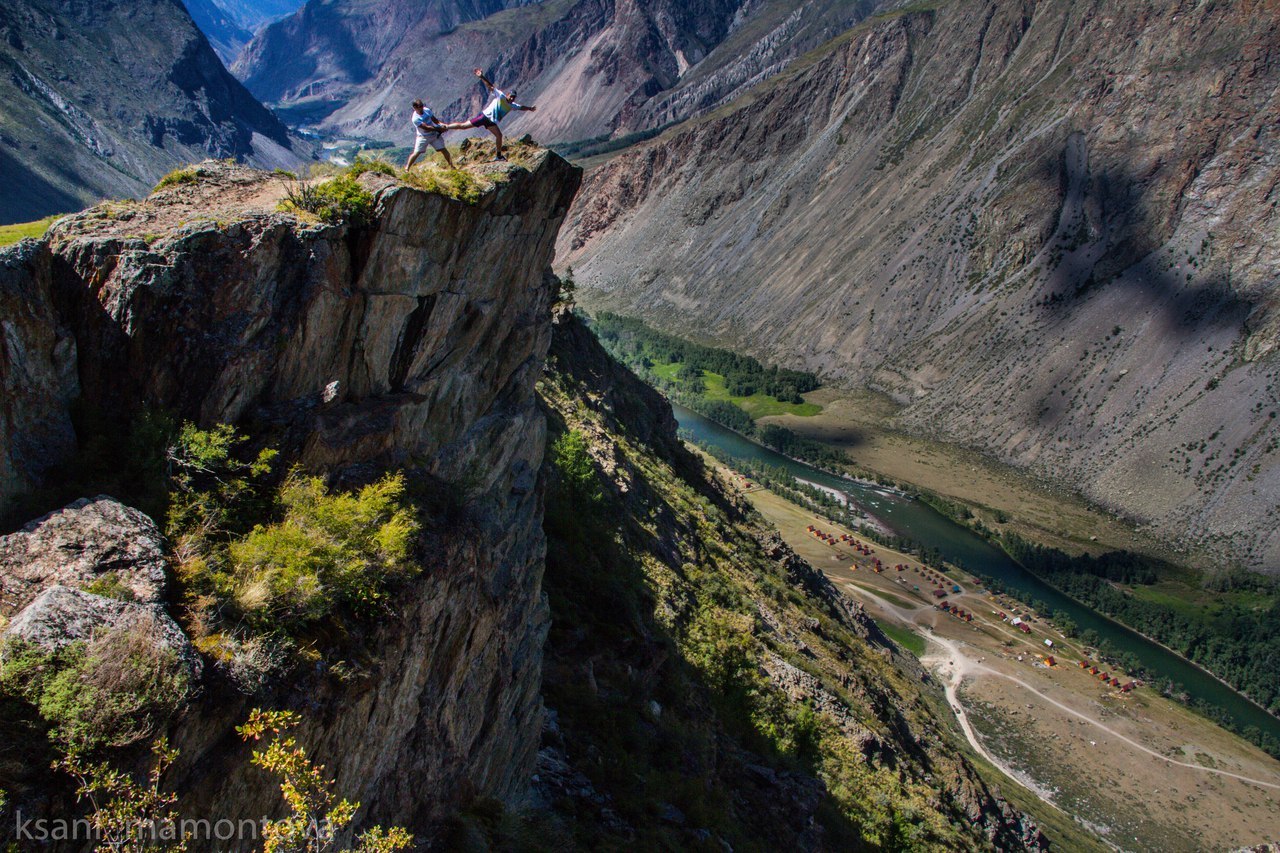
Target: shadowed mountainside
point(101, 99)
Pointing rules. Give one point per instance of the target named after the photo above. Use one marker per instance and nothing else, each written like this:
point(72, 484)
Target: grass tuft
point(177, 178)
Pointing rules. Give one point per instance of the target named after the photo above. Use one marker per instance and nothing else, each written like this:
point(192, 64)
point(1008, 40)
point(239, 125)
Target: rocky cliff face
point(594, 69)
point(411, 343)
point(101, 99)
point(1048, 229)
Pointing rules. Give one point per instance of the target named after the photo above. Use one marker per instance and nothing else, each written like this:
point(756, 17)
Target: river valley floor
point(860, 423)
point(1136, 769)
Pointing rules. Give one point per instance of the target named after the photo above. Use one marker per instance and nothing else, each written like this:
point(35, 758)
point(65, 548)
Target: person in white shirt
point(500, 104)
point(429, 131)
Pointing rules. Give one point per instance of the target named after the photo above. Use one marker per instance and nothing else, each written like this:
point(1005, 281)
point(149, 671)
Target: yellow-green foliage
point(211, 488)
point(178, 177)
point(115, 690)
point(316, 814)
point(10, 234)
point(455, 183)
point(719, 643)
point(122, 807)
point(380, 167)
point(335, 200)
point(572, 458)
point(329, 549)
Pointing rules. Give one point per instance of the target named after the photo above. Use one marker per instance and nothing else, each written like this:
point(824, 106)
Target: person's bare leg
point(412, 159)
point(447, 158)
point(493, 128)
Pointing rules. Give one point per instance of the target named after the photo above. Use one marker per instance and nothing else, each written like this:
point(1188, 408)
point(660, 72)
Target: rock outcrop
point(411, 342)
point(86, 542)
point(1048, 230)
point(61, 615)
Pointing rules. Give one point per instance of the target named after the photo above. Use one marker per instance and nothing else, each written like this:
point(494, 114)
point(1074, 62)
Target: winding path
point(962, 665)
point(966, 666)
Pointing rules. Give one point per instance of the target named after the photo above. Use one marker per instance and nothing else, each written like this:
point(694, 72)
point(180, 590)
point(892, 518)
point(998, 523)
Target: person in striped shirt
point(500, 104)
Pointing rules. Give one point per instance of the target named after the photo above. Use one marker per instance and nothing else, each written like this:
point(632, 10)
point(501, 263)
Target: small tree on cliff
point(317, 815)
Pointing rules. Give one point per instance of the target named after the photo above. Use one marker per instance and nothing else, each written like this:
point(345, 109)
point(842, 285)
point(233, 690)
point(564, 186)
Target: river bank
point(961, 547)
point(1134, 769)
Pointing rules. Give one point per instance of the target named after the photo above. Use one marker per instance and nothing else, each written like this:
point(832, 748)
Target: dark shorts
point(481, 120)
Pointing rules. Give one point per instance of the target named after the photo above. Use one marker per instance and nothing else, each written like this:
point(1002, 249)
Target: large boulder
point(84, 542)
point(61, 615)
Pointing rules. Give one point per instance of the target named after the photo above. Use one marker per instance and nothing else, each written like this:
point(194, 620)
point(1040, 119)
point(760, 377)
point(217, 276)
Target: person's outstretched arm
point(485, 80)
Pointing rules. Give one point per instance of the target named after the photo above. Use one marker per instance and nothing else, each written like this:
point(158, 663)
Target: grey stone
point(79, 544)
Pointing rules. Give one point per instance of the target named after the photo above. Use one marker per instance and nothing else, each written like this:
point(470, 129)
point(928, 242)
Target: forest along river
point(921, 523)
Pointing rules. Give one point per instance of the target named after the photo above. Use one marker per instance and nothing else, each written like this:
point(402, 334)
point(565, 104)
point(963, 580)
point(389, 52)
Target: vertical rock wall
point(412, 343)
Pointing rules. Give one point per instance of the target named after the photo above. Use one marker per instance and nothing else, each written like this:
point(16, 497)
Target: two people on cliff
point(429, 130)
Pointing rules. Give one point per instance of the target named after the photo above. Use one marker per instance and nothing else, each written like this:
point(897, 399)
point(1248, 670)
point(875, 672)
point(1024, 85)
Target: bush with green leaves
point(316, 815)
point(114, 690)
point(378, 167)
point(122, 807)
point(339, 199)
point(329, 550)
point(215, 488)
point(253, 560)
point(576, 470)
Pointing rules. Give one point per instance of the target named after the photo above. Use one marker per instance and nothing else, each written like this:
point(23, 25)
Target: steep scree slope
point(101, 99)
point(412, 343)
point(1050, 229)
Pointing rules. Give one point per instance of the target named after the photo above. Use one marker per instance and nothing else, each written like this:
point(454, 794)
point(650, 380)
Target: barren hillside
point(1050, 228)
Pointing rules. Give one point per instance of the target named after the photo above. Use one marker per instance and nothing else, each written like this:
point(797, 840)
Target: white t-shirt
point(424, 122)
point(499, 106)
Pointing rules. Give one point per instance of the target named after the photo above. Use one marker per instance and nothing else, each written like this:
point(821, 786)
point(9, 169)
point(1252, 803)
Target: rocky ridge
point(410, 343)
point(1046, 229)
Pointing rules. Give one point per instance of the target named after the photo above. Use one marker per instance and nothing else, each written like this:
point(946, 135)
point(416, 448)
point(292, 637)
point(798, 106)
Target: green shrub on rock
point(329, 550)
point(112, 691)
point(336, 200)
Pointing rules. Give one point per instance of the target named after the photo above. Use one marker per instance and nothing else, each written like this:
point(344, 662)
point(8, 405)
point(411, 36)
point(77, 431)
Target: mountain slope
point(100, 100)
point(226, 35)
point(1049, 229)
point(593, 68)
point(709, 688)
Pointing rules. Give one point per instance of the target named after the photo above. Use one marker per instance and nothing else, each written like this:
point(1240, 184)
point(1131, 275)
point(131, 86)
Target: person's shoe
point(499, 159)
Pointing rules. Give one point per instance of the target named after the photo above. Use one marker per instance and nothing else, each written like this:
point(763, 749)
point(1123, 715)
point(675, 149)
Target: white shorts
point(435, 140)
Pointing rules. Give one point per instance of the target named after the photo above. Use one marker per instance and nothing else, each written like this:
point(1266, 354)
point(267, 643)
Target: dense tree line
point(640, 346)
point(1120, 566)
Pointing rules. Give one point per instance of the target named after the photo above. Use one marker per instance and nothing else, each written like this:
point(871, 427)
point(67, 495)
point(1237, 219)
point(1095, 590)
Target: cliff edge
point(408, 342)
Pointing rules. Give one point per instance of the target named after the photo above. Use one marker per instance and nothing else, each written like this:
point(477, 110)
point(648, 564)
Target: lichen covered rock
point(98, 540)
